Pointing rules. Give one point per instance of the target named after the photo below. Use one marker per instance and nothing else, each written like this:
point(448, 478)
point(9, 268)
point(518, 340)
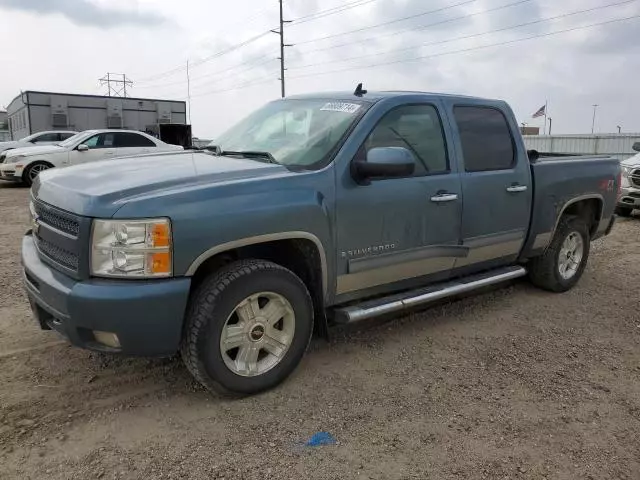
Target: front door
point(101, 146)
point(496, 187)
point(396, 232)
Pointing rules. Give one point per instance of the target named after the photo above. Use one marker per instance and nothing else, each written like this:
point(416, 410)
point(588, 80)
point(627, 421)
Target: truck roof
point(380, 95)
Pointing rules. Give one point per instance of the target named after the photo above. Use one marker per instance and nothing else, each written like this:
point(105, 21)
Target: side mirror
point(636, 146)
point(384, 162)
point(82, 148)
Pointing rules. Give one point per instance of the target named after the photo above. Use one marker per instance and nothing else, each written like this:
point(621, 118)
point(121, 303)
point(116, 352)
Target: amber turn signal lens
point(160, 262)
point(160, 234)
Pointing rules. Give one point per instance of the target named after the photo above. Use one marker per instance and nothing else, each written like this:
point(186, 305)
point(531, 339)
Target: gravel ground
point(512, 384)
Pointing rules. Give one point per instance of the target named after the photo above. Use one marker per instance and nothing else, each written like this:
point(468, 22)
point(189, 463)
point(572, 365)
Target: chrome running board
point(406, 300)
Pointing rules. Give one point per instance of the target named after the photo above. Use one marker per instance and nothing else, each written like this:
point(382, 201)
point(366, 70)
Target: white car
point(24, 164)
point(40, 138)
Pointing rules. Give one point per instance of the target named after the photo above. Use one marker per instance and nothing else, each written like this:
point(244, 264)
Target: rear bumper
point(629, 197)
point(146, 316)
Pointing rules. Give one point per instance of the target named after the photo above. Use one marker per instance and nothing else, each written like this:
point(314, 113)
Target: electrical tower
point(116, 83)
point(282, 45)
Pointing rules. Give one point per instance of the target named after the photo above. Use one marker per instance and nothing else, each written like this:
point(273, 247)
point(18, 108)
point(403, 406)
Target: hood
point(13, 144)
point(35, 150)
point(632, 162)
point(99, 189)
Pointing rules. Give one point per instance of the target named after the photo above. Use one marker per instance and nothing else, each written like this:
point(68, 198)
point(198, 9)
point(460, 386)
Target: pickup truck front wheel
point(247, 328)
point(564, 261)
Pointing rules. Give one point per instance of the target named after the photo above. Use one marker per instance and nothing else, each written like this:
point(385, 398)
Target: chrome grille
point(634, 177)
point(59, 255)
point(58, 219)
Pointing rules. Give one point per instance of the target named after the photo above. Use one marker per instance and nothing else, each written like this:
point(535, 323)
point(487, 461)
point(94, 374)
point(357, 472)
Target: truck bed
point(559, 181)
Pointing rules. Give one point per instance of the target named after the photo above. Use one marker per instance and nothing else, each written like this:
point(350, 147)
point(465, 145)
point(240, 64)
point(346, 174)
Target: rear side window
point(128, 140)
point(46, 137)
point(64, 136)
point(486, 139)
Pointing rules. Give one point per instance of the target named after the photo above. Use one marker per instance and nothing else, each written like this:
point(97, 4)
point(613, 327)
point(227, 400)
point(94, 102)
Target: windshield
point(303, 133)
point(71, 140)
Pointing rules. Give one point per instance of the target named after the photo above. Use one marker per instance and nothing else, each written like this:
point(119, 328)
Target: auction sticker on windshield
point(341, 107)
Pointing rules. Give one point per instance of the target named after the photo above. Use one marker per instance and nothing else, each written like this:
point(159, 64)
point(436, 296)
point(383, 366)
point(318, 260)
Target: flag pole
point(545, 117)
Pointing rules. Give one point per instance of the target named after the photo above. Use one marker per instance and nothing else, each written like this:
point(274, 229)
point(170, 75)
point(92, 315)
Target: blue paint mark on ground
point(321, 438)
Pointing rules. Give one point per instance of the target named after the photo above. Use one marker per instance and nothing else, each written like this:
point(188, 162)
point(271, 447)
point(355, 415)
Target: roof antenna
point(359, 91)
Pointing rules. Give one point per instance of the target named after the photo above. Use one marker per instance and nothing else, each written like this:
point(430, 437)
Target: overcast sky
point(66, 45)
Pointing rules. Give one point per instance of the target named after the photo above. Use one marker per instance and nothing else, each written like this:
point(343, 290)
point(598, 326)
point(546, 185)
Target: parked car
point(315, 210)
point(40, 138)
point(629, 198)
point(24, 164)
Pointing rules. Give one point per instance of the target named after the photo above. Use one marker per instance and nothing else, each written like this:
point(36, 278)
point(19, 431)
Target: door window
point(102, 140)
point(132, 140)
point(418, 129)
point(486, 139)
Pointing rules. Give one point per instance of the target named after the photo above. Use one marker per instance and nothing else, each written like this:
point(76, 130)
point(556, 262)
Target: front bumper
point(629, 197)
point(146, 316)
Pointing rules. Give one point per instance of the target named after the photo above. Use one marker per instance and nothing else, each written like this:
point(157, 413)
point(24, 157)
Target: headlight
point(626, 171)
point(131, 248)
point(15, 159)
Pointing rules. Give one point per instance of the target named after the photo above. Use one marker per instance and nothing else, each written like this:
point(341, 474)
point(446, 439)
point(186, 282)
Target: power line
point(418, 27)
point(251, 64)
point(330, 11)
point(508, 42)
point(532, 37)
point(218, 54)
point(410, 17)
point(464, 37)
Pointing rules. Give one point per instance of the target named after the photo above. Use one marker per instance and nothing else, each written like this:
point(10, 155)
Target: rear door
point(496, 185)
point(101, 147)
point(130, 143)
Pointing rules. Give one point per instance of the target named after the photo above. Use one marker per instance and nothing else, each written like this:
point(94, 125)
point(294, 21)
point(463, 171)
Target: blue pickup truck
point(314, 210)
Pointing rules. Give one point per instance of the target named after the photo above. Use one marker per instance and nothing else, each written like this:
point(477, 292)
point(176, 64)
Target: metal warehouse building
point(32, 112)
point(617, 145)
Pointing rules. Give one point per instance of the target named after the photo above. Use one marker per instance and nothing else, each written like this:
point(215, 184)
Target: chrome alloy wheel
point(258, 333)
point(570, 255)
point(35, 170)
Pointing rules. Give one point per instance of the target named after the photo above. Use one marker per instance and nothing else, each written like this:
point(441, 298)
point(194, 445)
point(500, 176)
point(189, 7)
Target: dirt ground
point(512, 384)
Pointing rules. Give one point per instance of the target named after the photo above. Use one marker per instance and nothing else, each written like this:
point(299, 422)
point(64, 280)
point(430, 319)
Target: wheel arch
point(590, 207)
point(300, 252)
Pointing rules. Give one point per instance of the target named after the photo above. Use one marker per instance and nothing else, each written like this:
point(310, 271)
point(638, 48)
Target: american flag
point(540, 112)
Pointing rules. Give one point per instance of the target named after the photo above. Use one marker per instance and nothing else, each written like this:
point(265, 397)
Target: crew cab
point(315, 210)
point(40, 138)
point(24, 164)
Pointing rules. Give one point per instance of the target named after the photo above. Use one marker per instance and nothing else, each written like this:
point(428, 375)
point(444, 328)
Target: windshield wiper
point(252, 154)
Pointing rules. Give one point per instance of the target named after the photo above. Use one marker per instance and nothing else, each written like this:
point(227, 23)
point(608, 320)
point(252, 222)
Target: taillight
point(619, 182)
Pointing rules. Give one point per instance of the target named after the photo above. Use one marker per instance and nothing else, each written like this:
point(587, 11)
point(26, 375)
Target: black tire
point(544, 271)
point(28, 175)
point(212, 303)
point(623, 211)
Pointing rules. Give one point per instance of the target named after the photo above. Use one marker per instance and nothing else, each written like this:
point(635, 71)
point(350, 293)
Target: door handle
point(517, 188)
point(444, 197)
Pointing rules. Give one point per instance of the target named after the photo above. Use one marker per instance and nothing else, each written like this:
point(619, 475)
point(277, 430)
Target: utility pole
point(593, 122)
point(189, 92)
point(550, 120)
point(116, 87)
point(282, 45)
point(619, 129)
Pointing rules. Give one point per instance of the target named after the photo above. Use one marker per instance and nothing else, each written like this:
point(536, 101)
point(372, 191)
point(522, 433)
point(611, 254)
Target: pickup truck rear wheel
point(248, 326)
point(565, 259)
